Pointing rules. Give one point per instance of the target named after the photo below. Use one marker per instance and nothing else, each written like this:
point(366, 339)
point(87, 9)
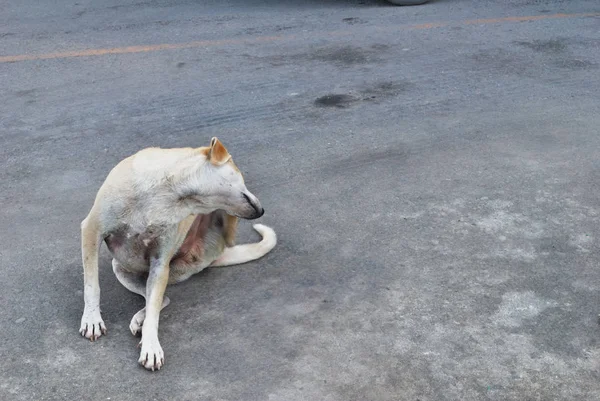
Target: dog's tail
point(245, 253)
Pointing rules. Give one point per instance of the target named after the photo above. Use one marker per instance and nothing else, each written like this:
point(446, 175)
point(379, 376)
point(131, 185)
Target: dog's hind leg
point(135, 283)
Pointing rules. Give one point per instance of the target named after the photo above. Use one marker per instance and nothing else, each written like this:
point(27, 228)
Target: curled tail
point(245, 253)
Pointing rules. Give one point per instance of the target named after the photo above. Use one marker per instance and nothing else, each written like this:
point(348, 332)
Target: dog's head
point(225, 185)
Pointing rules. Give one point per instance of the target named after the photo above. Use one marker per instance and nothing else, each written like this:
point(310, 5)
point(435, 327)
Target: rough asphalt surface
point(433, 180)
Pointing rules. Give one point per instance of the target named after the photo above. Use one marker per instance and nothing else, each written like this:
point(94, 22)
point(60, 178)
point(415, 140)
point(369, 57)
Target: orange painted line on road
point(128, 49)
point(485, 21)
point(260, 39)
point(530, 18)
point(429, 25)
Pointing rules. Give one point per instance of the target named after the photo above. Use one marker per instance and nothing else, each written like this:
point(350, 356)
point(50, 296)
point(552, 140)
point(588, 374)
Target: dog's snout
point(255, 204)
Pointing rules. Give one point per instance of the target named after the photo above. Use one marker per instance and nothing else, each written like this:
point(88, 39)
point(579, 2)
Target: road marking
point(261, 39)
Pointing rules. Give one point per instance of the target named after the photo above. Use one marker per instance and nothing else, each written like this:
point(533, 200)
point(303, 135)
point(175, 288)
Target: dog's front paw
point(137, 321)
point(152, 356)
point(92, 325)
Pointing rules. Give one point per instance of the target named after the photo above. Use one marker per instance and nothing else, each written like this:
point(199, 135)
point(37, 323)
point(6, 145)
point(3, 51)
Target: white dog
point(166, 214)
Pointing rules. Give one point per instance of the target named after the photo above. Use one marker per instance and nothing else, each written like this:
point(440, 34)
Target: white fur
point(245, 253)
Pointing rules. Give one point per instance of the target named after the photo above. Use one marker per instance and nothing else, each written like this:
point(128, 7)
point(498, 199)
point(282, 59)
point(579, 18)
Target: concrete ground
point(432, 173)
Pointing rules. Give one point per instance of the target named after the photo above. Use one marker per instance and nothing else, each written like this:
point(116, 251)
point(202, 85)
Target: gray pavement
point(432, 174)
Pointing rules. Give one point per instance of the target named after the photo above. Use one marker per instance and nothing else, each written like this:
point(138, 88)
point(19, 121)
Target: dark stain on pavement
point(353, 21)
point(335, 100)
point(575, 64)
point(373, 92)
point(344, 56)
point(545, 46)
point(347, 55)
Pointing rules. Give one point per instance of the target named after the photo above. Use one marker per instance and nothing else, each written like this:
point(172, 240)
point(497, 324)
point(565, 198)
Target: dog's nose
point(258, 212)
point(255, 204)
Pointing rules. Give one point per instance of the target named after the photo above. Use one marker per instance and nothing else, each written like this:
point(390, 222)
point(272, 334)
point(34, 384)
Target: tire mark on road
point(161, 103)
point(262, 39)
point(264, 112)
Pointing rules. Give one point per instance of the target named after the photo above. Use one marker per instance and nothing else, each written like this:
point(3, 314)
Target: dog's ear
point(217, 153)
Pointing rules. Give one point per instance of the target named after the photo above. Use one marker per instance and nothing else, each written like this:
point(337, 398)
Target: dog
point(166, 214)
